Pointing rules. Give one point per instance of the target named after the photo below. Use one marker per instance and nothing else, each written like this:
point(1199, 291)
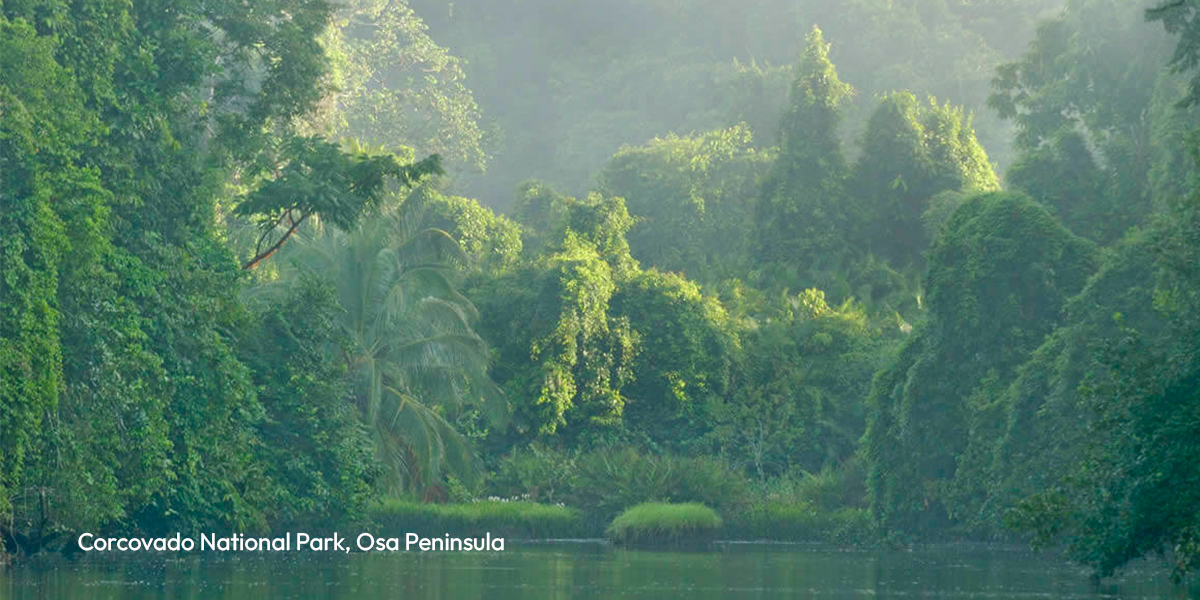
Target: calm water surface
point(583, 570)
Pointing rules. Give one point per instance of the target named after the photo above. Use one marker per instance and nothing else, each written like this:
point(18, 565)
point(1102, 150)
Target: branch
point(266, 234)
point(277, 245)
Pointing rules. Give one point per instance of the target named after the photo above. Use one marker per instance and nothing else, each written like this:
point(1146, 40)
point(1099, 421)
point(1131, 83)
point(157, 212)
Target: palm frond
point(416, 360)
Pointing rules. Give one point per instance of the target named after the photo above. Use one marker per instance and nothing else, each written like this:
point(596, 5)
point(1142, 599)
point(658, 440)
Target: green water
point(583, 570)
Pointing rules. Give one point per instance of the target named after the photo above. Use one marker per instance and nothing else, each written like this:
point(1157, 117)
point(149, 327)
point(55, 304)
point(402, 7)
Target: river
point(583, 570)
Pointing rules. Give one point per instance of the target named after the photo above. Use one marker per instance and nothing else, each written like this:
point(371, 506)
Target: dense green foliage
point(136, 385)
point(819, 311)
point(311, 436)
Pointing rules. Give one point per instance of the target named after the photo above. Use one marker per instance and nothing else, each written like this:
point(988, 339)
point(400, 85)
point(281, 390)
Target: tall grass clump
point(654, 524)
point(527, 520)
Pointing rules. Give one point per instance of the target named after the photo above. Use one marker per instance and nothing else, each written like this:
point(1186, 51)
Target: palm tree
point(414, 359)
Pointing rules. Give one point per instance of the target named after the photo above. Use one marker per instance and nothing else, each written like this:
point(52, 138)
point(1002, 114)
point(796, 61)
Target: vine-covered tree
point(561, 350)
point(911, 153)
point(693, 200)
point(687, 348)
point(998, 277)
point(803, 211)
point(795, 399)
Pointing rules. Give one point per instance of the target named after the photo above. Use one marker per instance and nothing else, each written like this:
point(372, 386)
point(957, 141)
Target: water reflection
point(582, 571)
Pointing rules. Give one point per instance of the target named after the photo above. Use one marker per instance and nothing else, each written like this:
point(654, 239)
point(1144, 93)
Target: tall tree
point(161, 107)
point(803, 213)
point(1181, 18)
point(43, 112)
point(124, 125)
point(1129, 479)
point(693, 200)
point(911, 153)
point(1080, 98)
point(395, 86)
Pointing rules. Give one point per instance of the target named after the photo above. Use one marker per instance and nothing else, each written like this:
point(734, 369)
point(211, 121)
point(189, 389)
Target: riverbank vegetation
point(502, 518)
point(925, 274)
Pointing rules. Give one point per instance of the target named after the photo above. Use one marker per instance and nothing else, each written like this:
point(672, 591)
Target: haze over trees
point(925, 271)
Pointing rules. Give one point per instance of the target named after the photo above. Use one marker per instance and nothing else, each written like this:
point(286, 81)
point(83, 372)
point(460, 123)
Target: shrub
point(613, 480)
point(544, 474)
point(834, 488)
point(829, 506)
point(662, 524)
point(528, 520)
point(711, 481)
point(610, 481)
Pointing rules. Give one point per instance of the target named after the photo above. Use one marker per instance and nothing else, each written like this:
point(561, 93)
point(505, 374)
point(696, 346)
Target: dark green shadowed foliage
point(999, 275)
